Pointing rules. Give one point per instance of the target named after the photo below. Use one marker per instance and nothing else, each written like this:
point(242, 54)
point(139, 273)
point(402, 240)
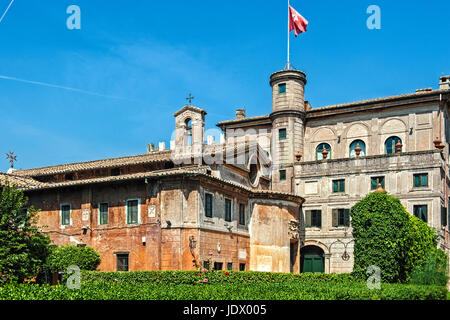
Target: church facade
point(273, 194)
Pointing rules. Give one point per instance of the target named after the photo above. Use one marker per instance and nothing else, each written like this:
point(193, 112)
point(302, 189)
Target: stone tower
point(189, 132)
point(288, 116)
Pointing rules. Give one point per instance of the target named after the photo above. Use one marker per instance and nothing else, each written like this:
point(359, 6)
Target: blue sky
point(142, 58)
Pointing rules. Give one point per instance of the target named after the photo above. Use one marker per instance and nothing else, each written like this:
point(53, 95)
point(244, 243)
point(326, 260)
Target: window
point(229, 266)
point(282, 175)
point(122, 261)
point(206, 265)
point(341, 217)
point(103, 213)
point(65, 214)
point(228, 210)
point(115, 171)
point(390, 145)
point(241, 266)
point(375, 181)
point(313, 218)
point(132, 211)
point(282, 88)
point(339, 185)
point(242, 214)
point(354, 145)
point(208, 205)
point(421, 212)
point(218, 265)
point(443, 216)
point(319, 150)
point(282, 134)
point(421, 180)
point(69, 177)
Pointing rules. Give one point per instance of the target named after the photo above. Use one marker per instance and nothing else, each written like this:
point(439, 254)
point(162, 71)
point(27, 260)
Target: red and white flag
point(296, 22)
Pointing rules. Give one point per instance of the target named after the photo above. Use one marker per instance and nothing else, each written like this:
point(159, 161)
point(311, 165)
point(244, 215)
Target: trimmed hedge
point(298, 290)
point(191, 277)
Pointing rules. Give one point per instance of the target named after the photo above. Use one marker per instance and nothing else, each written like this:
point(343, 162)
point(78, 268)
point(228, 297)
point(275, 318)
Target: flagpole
point(288, 63)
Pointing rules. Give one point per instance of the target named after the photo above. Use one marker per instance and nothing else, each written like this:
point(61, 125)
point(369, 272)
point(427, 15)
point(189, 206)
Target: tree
point(23, 248)
point(388, 237)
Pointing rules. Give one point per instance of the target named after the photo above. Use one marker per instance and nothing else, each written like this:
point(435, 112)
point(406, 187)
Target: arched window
point(354, 145)
point(188, 123)
point(390, 145)
point(319, 150)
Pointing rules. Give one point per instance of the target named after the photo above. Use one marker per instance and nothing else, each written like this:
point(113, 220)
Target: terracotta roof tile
point(98, 164)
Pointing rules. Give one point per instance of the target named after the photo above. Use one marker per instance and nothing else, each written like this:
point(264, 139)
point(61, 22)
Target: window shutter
point(308, 218)
point(335, 186)
point(347, 217)
point(335, 217)
point(425, 180)
point(416, 181)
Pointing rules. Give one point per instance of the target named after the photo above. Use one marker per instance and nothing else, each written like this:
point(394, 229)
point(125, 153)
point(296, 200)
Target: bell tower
point(288, 118)
point(189, 131)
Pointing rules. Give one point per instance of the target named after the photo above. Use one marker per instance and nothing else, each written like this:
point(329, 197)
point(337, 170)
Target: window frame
point(122, 255)
point(230, 218)
point(284, 173)
point(280, 136)
point(393, 144)
point(208, 194)
point(61, 214)
point(363, 148)
point(242, 217)
point(383, 183)
point(318, 212)
point(340, 185)
point(100, 222)
point(416, 214)
point(138, 211)
point(420, 176)
point(329, 151)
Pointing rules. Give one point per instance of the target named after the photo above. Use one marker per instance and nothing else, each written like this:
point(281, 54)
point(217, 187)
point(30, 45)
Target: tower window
point(282, 175)
point(282, 134)
point(282, 88)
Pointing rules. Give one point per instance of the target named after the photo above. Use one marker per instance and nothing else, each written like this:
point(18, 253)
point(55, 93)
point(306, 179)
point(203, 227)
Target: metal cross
point(12, 158)
point(190, 98)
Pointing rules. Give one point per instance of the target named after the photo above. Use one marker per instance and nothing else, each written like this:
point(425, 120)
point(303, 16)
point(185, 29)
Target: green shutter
point(374, 183)
point(335, 217)
point(416, 180)
point(335, 186)
point(425, 180)
point(308, 218)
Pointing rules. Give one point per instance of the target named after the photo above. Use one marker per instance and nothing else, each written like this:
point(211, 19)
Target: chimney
point(150, 147)
point(240, 114)
point(162, 146)
point(444, 83)
point(307, 105)
point(210, 140)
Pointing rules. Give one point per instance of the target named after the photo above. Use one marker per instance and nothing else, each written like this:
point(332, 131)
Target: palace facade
point(273, 194)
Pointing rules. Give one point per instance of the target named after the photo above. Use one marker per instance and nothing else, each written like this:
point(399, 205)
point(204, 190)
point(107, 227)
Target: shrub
point(60, 258)
point(388, 237)
point(381, 229)
point(433, 271)
point(294, 290)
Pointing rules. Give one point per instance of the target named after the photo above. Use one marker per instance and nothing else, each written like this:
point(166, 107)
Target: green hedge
point(191, 277)
point(297, 290)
